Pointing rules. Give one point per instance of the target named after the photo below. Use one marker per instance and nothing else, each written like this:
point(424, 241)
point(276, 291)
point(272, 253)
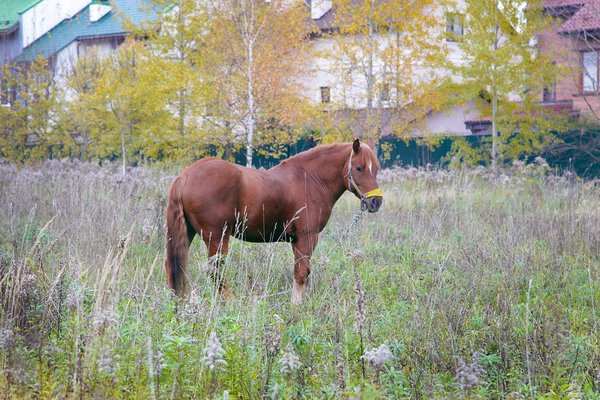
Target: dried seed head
point(18, 374)
point(469, 374)
point(360, 306)
point(107, 362)
point(272, 341)
point(193, 310)
point(289, 361)
point(74, 299)
point(8, 340)
point(29, 283)
point(356, 255)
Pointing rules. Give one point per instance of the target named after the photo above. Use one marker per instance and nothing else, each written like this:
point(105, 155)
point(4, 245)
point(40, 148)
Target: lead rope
point(357, 215)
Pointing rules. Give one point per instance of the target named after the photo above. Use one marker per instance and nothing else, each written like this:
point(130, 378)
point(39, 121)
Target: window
point(385, 91)
point(7, 93)
point(590, 71)
point(325, 94)
point(549, 93)
point(454, 26)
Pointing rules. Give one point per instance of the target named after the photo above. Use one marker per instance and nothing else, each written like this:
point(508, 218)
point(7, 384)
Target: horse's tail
point(178, 242)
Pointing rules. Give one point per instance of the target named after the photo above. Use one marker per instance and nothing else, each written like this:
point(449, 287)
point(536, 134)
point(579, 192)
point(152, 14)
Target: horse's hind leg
point(218, 246)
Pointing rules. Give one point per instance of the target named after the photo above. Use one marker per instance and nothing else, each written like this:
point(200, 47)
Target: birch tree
point(256, 50)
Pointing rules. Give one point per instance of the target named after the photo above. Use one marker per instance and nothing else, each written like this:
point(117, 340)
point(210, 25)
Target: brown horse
point(291, 202)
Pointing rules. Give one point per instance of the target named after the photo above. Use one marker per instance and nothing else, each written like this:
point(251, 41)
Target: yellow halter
point(374, 193)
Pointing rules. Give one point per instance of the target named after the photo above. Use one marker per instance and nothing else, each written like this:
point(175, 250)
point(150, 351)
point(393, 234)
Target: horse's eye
point(359, 169)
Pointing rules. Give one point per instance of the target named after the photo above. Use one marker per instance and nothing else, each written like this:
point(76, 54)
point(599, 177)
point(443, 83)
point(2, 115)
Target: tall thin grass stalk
point(593, 301)
point(527, 337)
point(360, 318)
point(150, 367)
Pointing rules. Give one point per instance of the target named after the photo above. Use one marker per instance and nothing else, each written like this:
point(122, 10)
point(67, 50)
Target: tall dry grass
point(465, 284)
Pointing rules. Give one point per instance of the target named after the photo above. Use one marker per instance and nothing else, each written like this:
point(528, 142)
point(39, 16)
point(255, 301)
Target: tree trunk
point(494, 135)
point(370, 75)
point(182, 111)
point(123, 150)
point(495, 102)
point(250, 122)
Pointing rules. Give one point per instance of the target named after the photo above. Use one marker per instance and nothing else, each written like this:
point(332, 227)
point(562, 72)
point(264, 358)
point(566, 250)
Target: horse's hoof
point(297, 294)
point(296, 301)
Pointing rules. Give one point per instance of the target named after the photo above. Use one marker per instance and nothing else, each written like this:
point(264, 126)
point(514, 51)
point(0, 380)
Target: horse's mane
point(314, 153)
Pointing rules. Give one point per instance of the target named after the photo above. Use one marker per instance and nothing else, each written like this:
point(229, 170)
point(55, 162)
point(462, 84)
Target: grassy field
point(464, 285)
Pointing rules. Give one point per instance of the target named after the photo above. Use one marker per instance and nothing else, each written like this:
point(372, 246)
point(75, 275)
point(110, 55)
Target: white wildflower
point(193, 310)
point(540, 161)
point(105, 318)
point(378, 356)
point(213, 354)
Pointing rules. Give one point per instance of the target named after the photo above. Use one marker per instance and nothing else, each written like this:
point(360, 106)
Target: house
point(324, 83)
point(22, 22)
point(97, 29)
point(63, 31)
point(577, 41)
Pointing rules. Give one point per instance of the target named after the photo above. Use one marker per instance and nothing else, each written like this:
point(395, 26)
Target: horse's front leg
point(303, 247)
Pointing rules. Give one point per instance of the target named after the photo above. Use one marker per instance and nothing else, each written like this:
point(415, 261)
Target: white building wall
point(451, 121)
point(42, 17)
point(67, 58)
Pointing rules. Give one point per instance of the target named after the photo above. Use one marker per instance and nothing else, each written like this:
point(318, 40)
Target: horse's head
point(361, 174)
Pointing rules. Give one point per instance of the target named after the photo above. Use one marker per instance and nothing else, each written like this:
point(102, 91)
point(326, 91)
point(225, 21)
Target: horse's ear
point(356, 146)
point(370, 143)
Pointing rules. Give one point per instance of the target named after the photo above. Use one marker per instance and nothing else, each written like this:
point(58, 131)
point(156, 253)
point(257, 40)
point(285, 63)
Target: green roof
point(79, 26)
point(10, 10)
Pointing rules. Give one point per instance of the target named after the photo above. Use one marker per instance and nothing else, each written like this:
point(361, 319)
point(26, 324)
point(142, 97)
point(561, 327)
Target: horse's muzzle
point(372, 204)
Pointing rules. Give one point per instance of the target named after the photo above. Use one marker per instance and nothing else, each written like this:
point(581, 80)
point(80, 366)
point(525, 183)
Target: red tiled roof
point(587, 18)
point(558, 107)
point(578, 15)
